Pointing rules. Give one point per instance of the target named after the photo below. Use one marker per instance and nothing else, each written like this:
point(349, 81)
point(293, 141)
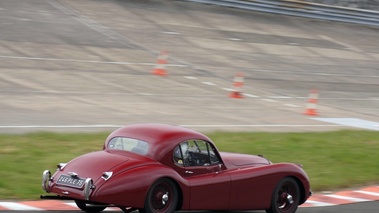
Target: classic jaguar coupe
point(158, 168)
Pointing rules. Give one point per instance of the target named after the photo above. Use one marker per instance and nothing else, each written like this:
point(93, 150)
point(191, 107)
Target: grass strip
point(333, 160)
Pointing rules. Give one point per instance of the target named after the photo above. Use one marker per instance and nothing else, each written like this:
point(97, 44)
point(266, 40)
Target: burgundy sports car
point(162, 168)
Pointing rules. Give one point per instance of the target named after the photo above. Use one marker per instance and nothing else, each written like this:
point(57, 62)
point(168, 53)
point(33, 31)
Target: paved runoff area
point(72, 65)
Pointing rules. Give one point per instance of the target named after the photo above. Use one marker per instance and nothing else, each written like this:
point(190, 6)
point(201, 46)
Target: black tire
point(82, 205)
point(286, 197)
point(162, 197)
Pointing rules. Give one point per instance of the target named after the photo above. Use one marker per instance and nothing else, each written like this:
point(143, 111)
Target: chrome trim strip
point(107, 175)
point(60, 166)
point(72, 174)
point(88, 185)
point(46, 178)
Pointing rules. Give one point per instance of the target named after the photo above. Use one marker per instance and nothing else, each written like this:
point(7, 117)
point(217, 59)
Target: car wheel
point(286, 196)
point(82, 205)
point(162, 197)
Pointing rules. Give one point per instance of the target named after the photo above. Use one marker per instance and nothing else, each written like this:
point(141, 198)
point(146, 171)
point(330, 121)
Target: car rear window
point(129, 144)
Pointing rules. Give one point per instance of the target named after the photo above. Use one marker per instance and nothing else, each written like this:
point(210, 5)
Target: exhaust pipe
point(54, 197)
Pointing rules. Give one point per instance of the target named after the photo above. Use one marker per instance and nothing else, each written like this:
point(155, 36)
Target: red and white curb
point(365, 194)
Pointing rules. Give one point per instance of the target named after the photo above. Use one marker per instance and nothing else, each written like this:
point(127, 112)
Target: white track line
point(368, 193)
point(184, 125)
point(318, 203)
point(89, 61)
point(190, 77)
point(257, 125)
point(250, 95)
point(72, 204)
point(268, 100)
point(18, 206)
point(228, 89)
point(353, 199)
point(208, 83)
point(292, 105)
point(59, 126)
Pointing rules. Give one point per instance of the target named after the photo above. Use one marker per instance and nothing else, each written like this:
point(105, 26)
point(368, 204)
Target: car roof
point(162, 138)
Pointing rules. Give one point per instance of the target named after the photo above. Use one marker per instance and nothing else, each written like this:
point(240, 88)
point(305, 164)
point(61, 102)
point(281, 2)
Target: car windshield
point(129, 144)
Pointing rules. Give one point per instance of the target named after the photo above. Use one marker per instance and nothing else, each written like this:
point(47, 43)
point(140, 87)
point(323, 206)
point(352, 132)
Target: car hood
point(93, 165)
point(243, 160)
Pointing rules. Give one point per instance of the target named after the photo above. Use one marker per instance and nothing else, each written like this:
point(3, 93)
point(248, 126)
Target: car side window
point(195, 153)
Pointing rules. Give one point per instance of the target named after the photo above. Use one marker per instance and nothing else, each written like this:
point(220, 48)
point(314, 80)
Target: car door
point(199, 163)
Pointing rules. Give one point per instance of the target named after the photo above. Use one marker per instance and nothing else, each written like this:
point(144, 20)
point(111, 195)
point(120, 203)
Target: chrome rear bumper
point(88, 186)
point(46, 179)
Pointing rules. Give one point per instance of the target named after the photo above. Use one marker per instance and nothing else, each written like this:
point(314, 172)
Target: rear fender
point(129, 188)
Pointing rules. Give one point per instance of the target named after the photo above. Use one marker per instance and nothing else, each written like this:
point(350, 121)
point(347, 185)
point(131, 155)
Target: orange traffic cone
point(311, 104)
point(160, 67)
point(237, 84)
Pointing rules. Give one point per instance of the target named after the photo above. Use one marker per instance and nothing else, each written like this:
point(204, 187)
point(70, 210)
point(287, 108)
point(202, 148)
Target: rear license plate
point(71, 181)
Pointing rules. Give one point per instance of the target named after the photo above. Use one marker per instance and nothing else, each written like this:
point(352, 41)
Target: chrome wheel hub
point(165, 198)
point(289, 199)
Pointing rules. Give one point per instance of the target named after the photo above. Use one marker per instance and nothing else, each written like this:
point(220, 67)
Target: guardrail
point(303, 9)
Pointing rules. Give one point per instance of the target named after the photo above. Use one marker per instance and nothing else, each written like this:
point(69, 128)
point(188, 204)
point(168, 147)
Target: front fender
point(295, 171)
point(258, 183)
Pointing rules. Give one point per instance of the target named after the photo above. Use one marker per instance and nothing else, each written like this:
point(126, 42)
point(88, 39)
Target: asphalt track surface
point(370, 207)
point(70, 65)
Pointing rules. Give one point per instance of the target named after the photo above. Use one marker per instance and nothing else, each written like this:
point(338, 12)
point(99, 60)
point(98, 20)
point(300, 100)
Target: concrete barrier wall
point(307, 8)
point(359, 4)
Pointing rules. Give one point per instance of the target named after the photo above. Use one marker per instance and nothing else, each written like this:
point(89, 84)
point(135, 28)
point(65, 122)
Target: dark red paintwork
point(240, 182)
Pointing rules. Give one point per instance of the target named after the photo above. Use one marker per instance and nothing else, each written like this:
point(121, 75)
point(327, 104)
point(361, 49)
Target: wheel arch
point(296, 172)
point(178, 187)
point(301, 189)
point(126, 185)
